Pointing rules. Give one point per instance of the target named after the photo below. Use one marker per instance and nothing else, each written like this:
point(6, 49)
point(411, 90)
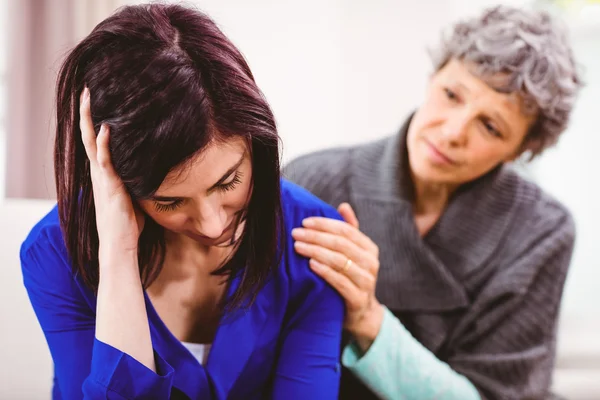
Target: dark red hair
point(167, 82)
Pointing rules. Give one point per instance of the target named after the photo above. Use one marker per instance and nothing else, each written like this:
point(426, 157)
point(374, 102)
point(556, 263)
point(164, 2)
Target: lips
point(440, 155)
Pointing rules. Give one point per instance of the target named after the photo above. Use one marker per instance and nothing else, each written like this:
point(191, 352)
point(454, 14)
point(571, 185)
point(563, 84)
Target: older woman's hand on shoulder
point(349, 261)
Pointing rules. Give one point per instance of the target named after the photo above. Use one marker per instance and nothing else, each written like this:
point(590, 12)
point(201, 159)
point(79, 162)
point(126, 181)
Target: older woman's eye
point(492, 129)
point(450, 94)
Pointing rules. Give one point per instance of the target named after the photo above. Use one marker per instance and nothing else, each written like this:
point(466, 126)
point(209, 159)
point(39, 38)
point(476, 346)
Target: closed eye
point(166, 207)
point(237, 179)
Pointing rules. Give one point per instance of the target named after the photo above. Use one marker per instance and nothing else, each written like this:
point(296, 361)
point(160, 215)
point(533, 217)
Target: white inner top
point(198, 350)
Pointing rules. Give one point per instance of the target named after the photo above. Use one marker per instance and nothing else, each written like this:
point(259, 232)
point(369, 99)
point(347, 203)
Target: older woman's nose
point(455, 128)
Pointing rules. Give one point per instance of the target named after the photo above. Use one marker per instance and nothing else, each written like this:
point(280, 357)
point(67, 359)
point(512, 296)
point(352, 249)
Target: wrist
point(117, 256)
point(368, 329)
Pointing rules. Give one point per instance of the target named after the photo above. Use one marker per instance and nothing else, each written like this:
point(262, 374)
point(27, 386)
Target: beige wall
point(40, 34)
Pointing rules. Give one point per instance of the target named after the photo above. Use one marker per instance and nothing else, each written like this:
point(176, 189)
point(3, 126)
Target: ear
point(530, 145)
point(525, 151)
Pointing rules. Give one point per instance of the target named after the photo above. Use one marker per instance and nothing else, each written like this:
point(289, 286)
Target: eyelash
point(168, 207)
point(450, 95)
point(454, 97)
point(493, 131)
point(237, 179)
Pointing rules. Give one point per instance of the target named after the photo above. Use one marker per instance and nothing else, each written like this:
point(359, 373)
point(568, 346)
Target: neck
point(181, 243)
point(185, 256)
point(431, 197)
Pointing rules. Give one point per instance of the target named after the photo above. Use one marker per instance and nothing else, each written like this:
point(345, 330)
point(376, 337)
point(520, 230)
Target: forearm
point(368, 329)
point(397, 366)
point(121, 319)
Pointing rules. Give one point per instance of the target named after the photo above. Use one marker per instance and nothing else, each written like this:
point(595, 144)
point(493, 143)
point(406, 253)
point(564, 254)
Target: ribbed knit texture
point(482, 289)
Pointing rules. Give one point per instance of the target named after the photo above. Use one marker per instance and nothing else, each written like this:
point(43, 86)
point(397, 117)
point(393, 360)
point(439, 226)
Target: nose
point(211, 220)
point(455, 128)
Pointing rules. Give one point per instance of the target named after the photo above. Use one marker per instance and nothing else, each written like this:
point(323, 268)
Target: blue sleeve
point(83, 366)
point(309, 366)
point(397, 366)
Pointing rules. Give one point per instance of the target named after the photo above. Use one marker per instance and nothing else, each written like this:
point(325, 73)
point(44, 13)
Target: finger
point(339, 282)
point(88, 135)
point(348, 214)
point(342, 228)
point(338, 244)
point(103, 151)
point(140, 217)
point(357, 275)
point(363, 279)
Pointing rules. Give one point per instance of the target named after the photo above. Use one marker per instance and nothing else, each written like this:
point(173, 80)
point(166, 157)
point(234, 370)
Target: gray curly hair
point(530, 53)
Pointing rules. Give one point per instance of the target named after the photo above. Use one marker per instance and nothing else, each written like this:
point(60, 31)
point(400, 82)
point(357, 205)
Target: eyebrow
point(495, 114)
point(463, 87)
point(223, 178)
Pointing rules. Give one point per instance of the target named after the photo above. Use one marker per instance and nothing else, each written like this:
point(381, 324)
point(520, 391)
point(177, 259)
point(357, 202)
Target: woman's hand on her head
point(118, 222)
point(349, 261)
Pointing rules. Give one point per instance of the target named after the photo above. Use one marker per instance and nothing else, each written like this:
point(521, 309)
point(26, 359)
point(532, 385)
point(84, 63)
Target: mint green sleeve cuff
point(397, 366)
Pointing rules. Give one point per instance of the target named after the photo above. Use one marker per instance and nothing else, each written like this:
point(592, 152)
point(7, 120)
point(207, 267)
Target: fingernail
point(86, 93)
point(298, 233)
point(308, 222)
point(300, 245)
point(317, 266)
point(102, 129)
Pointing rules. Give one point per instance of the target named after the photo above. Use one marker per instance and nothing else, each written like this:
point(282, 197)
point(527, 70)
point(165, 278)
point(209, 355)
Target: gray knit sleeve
point(508, 348)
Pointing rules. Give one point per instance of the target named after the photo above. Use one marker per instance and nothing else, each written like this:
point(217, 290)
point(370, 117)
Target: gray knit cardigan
point(482, 289)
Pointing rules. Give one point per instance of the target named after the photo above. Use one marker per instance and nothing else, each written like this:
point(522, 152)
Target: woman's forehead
point(492, 86)
point(206, 167)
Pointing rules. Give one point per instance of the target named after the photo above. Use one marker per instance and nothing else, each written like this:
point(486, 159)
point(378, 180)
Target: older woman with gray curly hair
point(453, 282)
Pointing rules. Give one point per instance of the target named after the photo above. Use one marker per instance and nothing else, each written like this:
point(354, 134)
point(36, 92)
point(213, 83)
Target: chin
point(426, 172)
point(427, 175)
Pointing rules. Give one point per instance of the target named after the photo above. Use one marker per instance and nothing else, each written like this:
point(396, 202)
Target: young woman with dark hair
point(167, 269)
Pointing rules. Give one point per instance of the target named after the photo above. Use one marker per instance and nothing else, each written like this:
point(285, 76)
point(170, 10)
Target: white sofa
point(26, 367)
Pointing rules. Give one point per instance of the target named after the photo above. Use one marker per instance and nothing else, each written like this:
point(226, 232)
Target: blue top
point(286, 346)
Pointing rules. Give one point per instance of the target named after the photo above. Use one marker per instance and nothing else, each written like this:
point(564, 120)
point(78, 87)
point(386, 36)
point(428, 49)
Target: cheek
point(236, 200)
point(173, 221)
point(427, 118)
point(483, 157)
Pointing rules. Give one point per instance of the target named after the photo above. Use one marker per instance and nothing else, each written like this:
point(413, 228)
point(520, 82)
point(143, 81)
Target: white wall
point(335, 72)
point(570, 172)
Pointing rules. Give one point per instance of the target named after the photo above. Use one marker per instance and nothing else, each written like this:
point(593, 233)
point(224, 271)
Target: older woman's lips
point(438, 157)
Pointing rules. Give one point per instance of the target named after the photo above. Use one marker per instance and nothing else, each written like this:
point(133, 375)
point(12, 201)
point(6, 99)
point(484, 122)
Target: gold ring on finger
point(347, 265)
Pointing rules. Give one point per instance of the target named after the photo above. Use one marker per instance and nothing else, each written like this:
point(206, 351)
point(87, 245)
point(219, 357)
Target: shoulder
point(328, 173)
point(327, 161)
point(540, 239)
point(298, 203)
point(538, 214)
point(43, 252)
point(45, 233)
point(323, 173)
